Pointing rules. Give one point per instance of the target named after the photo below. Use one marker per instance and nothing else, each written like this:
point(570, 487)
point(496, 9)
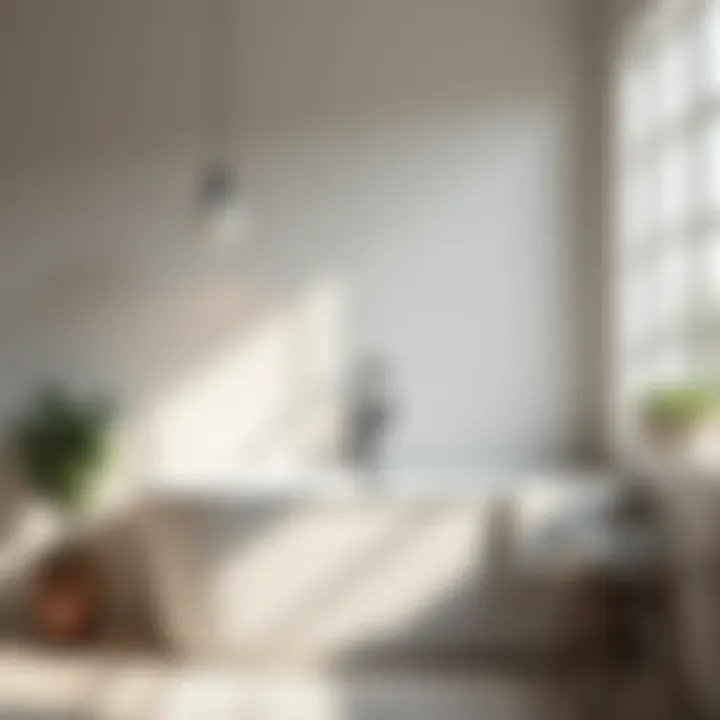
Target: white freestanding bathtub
point(322, 571)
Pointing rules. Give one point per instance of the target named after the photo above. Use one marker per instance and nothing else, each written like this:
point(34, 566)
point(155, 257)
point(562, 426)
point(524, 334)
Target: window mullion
point(695, 231)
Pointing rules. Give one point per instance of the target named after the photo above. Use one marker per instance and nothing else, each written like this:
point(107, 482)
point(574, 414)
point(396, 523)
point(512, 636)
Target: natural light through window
point(269, 402)
point(667, 140)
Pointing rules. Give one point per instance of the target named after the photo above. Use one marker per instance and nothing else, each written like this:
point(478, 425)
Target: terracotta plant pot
point(67, 597)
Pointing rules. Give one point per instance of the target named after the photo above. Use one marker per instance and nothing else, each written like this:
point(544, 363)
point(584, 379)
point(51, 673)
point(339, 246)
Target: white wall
point(419, 158)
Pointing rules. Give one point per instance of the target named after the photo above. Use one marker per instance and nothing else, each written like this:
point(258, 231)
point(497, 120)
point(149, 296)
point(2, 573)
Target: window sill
point(671, 468)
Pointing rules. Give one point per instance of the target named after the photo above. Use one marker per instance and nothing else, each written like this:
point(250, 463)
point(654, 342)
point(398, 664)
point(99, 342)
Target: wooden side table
point(624, 639)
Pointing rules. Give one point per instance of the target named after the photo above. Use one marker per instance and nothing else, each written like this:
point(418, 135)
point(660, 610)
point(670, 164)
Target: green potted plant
point(61, 443)
point(671, 413)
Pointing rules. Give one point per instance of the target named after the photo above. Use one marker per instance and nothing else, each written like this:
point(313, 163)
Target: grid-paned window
point(667, 180)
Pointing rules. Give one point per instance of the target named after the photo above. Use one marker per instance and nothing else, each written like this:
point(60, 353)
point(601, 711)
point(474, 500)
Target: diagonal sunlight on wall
point(334, 578)
point(269, 402)
point(255, 604)
point(387, 601)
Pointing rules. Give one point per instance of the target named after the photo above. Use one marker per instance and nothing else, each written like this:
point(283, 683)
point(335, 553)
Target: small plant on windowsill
point(62, 443)
point(671, 414)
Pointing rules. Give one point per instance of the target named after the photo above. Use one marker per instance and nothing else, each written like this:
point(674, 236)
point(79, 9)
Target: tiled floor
point(393, 698)
point(42, 687)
